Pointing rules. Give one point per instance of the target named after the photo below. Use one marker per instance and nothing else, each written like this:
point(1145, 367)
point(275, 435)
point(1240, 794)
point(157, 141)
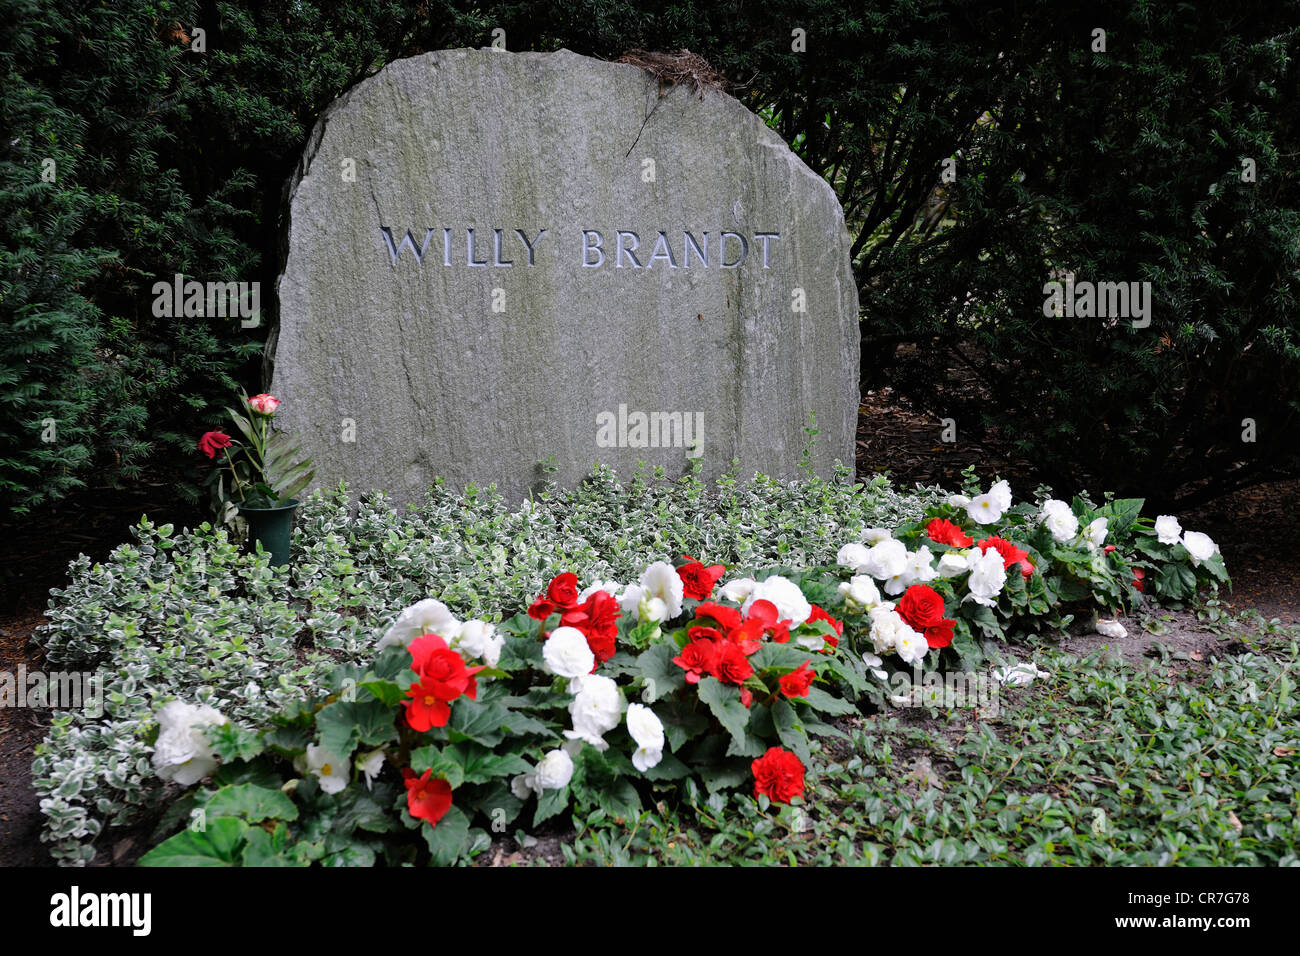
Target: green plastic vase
point(273, 528)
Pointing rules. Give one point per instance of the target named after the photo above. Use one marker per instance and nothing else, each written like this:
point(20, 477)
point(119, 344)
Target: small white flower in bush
point(885, 559)
point(1057, 517)
point(329, 768)
point(852, 556)
point(661, 581)
point(1096, 532)
point(990, 506)
point(423, 617)
point(370, 764)
point(987, 578)
point(477, 640)
point(910, 645)
point(790, 603)
point(182, 753)
point(860, 592)
point(567, 653)
point(953, 563)
point(1168, 530)
point(887, 628)
point(957, 501)
point(595, 710)
point(737, 591)
point(1200, 546)
point(553, 772)
point(874, 665)
point(648, 732)
point(874, 536)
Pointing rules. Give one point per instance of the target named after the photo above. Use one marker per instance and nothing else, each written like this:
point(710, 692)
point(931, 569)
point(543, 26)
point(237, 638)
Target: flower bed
point(411, 738)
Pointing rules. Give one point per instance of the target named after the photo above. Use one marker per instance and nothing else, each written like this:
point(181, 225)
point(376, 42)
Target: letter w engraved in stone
point(407, 240)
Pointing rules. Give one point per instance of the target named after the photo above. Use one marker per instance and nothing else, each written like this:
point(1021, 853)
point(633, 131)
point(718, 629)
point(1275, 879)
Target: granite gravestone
point(503, 263)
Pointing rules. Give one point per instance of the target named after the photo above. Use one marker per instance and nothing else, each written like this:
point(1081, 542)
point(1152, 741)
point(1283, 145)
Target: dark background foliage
point(1123, 165)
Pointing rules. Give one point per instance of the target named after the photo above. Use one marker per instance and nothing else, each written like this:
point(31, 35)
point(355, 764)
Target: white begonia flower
point(1168, 530)
point(790, 603)
point(370, 765)
point(478, 640)
point(987, 578)
point(182, 753)
point(566, 653)
point(648, 732)
point(920, 566)
point(874, 665)
point(595, 710)
point(662, 581)
point(852, 556)
point(1059, 520)
point(523, 785)
point(953, 563)
point(957, 501)
point(738, 591)
point(1001, 493)
point(329, 768)
point(885, 559)
point(910, 645)
point(887, 627)
point(1096, 532)
point(422, 617)
point(873, 536)
point(1200, 546)
point(985, 508)
point(609, 587)
point(554, 771)
point(860, 592)
point(639, 605)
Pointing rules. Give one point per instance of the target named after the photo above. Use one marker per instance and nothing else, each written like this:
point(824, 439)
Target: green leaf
point(232, 742)
point(784, 656)
point(550, 803)
point(448, 839)
point(662, 676)
point(217, 845)
point(269, 849)
point(724, 701)
point(789, 730)
point(668, 768)
point(251, 803)
point(1120, 515)
point(823, 701)
point(481, 765)
point(345, 723)
point(725, 776)
point(680, 722)
point(445, 763)
point(385, 691)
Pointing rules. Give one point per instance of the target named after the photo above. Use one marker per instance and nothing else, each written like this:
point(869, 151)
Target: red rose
point(1010, 554)
point(697, 632)
point(697, 659)
point(1138, 575)
point(697, 580)
point(732, 666)
point(213, 442)
point(597, 618)
point(427, 799)
point(945, 532)
point(797, 682)
point(746, 696)
point(921, 606)
point(563, 590)
point(778, 775)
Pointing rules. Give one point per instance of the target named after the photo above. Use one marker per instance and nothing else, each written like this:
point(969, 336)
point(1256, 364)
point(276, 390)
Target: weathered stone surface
point(436, 381)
